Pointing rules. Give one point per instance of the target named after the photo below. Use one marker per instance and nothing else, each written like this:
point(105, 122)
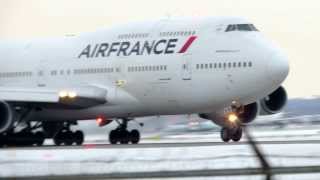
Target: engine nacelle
point(6, 117)
point(274, 102)
point(248, 114)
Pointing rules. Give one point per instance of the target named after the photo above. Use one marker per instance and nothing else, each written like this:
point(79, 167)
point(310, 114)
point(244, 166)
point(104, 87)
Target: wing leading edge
point(76, 98)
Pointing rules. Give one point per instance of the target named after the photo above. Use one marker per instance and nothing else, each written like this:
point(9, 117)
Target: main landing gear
point(122, 135)
point(25, 137)
point(35, 135)
point(67, 137)
point(234, 134)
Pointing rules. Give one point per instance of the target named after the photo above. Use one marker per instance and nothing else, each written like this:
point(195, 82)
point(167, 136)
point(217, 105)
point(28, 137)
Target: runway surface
point(242, 172)
point(293, 155)
point(160, 145)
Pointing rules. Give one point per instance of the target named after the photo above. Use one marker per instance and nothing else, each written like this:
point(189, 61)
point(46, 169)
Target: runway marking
point(161, 145)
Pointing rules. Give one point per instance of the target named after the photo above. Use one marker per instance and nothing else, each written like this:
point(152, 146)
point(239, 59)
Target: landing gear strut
point(67, 137)
point(234, 134)
point(122, 135)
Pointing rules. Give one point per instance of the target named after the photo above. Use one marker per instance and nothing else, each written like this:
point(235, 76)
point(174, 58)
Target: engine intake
point(274, 102)
point(6, 117)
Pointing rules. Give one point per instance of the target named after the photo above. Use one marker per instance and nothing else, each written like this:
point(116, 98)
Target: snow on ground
point(89, 160)
point(79, 161)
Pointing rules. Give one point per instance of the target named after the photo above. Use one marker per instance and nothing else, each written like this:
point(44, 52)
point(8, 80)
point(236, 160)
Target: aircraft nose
point(278, 68)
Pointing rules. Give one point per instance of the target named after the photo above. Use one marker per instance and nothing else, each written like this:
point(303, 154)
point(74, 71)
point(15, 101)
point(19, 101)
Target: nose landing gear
point(122, 135)
point(233, 126)
point(234, 134)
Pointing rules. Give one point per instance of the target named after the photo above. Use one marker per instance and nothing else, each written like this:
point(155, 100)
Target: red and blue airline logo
point(127, 48)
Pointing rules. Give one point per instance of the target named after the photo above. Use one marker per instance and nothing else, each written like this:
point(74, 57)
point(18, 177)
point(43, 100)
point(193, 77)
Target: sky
point(294, 25)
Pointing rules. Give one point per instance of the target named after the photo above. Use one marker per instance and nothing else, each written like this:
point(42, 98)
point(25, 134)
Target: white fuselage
point(191, 66)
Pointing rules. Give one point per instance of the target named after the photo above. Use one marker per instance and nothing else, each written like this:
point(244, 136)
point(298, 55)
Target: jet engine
point(6, 117)
point(274, 102)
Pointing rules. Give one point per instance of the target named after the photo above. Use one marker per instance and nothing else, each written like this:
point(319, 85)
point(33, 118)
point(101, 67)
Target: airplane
point(221, 68)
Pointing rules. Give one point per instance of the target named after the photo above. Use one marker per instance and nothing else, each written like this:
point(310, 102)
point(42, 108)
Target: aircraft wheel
point(113, 137)
point(58, 139)
point(68, 138)
point(134, 136)
point(237, 135)
point(125, 137)
point(24, 139)
point(79, 137)
point(39, 138)
point(2, 140)
point(225, 134)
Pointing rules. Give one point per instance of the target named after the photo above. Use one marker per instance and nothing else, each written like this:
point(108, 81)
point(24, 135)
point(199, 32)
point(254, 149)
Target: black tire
point(134, 136)
point(39, 138)
point(225, 135)
point(125, 137)
point(79, 137)
point(237, 135)
point(57, 139)
point(2, 140)
point(113, 137)
point(25, 139)
point(68, 140)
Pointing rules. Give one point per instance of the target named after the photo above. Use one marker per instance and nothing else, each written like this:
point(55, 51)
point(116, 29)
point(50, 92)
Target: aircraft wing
point(76, 98)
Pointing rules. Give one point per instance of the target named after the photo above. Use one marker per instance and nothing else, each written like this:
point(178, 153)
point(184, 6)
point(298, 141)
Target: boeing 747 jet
point(221, 68)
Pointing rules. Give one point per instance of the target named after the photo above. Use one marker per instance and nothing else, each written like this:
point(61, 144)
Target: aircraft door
point(186, 70)
point(41, 74)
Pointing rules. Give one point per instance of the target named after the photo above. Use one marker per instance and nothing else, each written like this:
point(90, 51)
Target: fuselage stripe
point(187, 44)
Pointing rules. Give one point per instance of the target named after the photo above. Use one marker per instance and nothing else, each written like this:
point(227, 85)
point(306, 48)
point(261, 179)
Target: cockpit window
point(232, 27)
point(241, 27)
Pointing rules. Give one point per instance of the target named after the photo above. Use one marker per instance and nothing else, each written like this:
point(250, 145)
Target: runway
point(160, 145)
point(293, 155)
point(241, 172)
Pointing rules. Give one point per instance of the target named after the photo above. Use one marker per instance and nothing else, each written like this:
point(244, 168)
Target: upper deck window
point(241, 27)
